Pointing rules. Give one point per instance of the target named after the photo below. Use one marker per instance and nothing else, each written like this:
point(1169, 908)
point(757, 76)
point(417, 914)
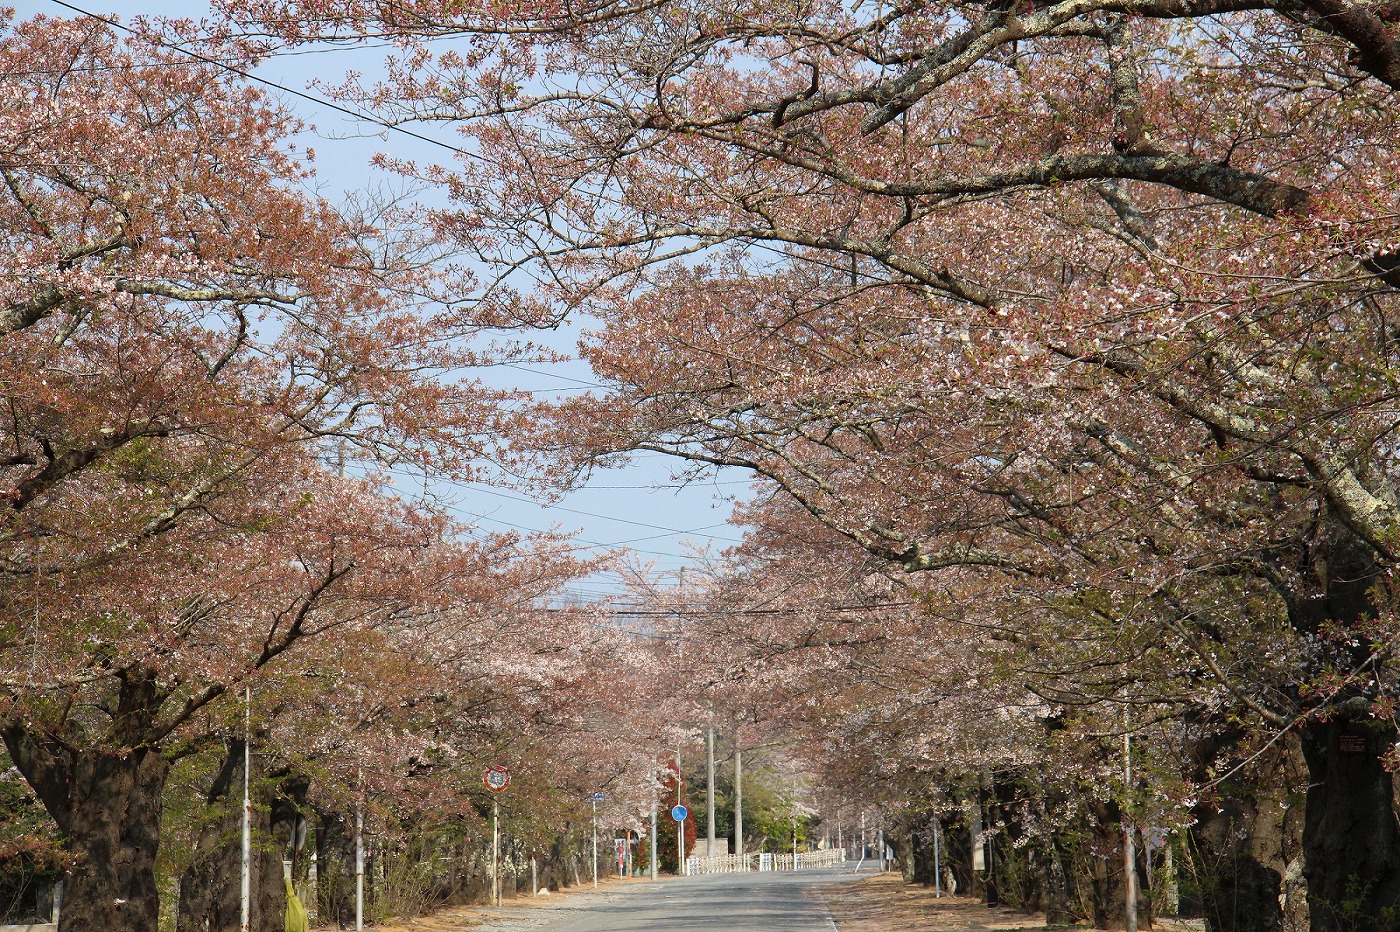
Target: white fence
point(721, 864)
point(827, 857)
point(737, 863)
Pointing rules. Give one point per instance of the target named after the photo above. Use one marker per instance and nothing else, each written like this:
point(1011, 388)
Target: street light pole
point(595, 842)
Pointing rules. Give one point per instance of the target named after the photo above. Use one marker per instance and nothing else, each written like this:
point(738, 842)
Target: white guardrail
point(737, 863)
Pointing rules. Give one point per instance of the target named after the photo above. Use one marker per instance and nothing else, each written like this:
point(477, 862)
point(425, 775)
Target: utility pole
point(794, 821)
point(738, 799)
point(710, 790)
point(653, 835)
point(595, 841)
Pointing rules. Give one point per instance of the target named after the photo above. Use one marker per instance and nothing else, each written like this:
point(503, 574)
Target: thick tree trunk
point(1350, 837)
point(211, 888)
point(1056, 906)
point(335, 870)
point(1239, 891)
point(1242, 845)
point(209, 899)
point(107, 804)
point(1106, 875)
point(554, 866)
point(1351, 843)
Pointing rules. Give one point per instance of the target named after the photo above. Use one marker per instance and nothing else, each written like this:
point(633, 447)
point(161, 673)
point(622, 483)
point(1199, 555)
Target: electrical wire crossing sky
point(642, 507)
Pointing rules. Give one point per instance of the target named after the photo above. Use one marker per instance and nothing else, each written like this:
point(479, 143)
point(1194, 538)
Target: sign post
point(597, 798)
point(496, 778)
point(679, 812)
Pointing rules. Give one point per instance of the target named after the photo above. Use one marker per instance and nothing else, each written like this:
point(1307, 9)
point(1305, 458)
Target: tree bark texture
point(1350, 836)
point(1242, 846)
point(107, 804)
point(1351, 841)
point(335, 869)
point(1238, 889)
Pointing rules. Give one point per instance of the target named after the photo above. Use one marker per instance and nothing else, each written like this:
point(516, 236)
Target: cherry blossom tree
point(1079, 301)
point(187, 338)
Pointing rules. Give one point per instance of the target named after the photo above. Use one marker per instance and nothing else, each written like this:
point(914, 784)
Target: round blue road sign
point(679, 813)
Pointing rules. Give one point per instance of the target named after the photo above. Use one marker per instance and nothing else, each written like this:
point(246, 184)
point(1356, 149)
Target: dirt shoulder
point(458, 918)
point(885, 903)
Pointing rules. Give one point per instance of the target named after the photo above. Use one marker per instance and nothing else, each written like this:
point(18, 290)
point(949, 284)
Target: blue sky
point(640, 506)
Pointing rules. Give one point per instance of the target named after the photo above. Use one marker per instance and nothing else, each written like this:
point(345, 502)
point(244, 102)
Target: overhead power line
point(320, 101)
point(481, 488)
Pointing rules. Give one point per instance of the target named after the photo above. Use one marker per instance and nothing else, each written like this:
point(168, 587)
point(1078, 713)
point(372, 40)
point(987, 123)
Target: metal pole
point(710, 790)
point(595, 843)
point(738, 800)
point(246, 883)
point(359, 866)
point(882, 846)
point(534, 881)
point(496, 850)
point(653, 836)
point(1129, 850)
point(681, 848)
point(680, 826)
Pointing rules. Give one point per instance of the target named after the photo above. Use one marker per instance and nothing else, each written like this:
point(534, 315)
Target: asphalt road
point(752, 902)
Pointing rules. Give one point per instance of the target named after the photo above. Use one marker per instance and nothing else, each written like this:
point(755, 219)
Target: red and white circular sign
point(496, 778)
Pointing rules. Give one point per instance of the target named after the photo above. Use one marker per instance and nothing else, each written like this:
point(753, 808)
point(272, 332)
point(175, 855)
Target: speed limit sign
point(496, 778)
